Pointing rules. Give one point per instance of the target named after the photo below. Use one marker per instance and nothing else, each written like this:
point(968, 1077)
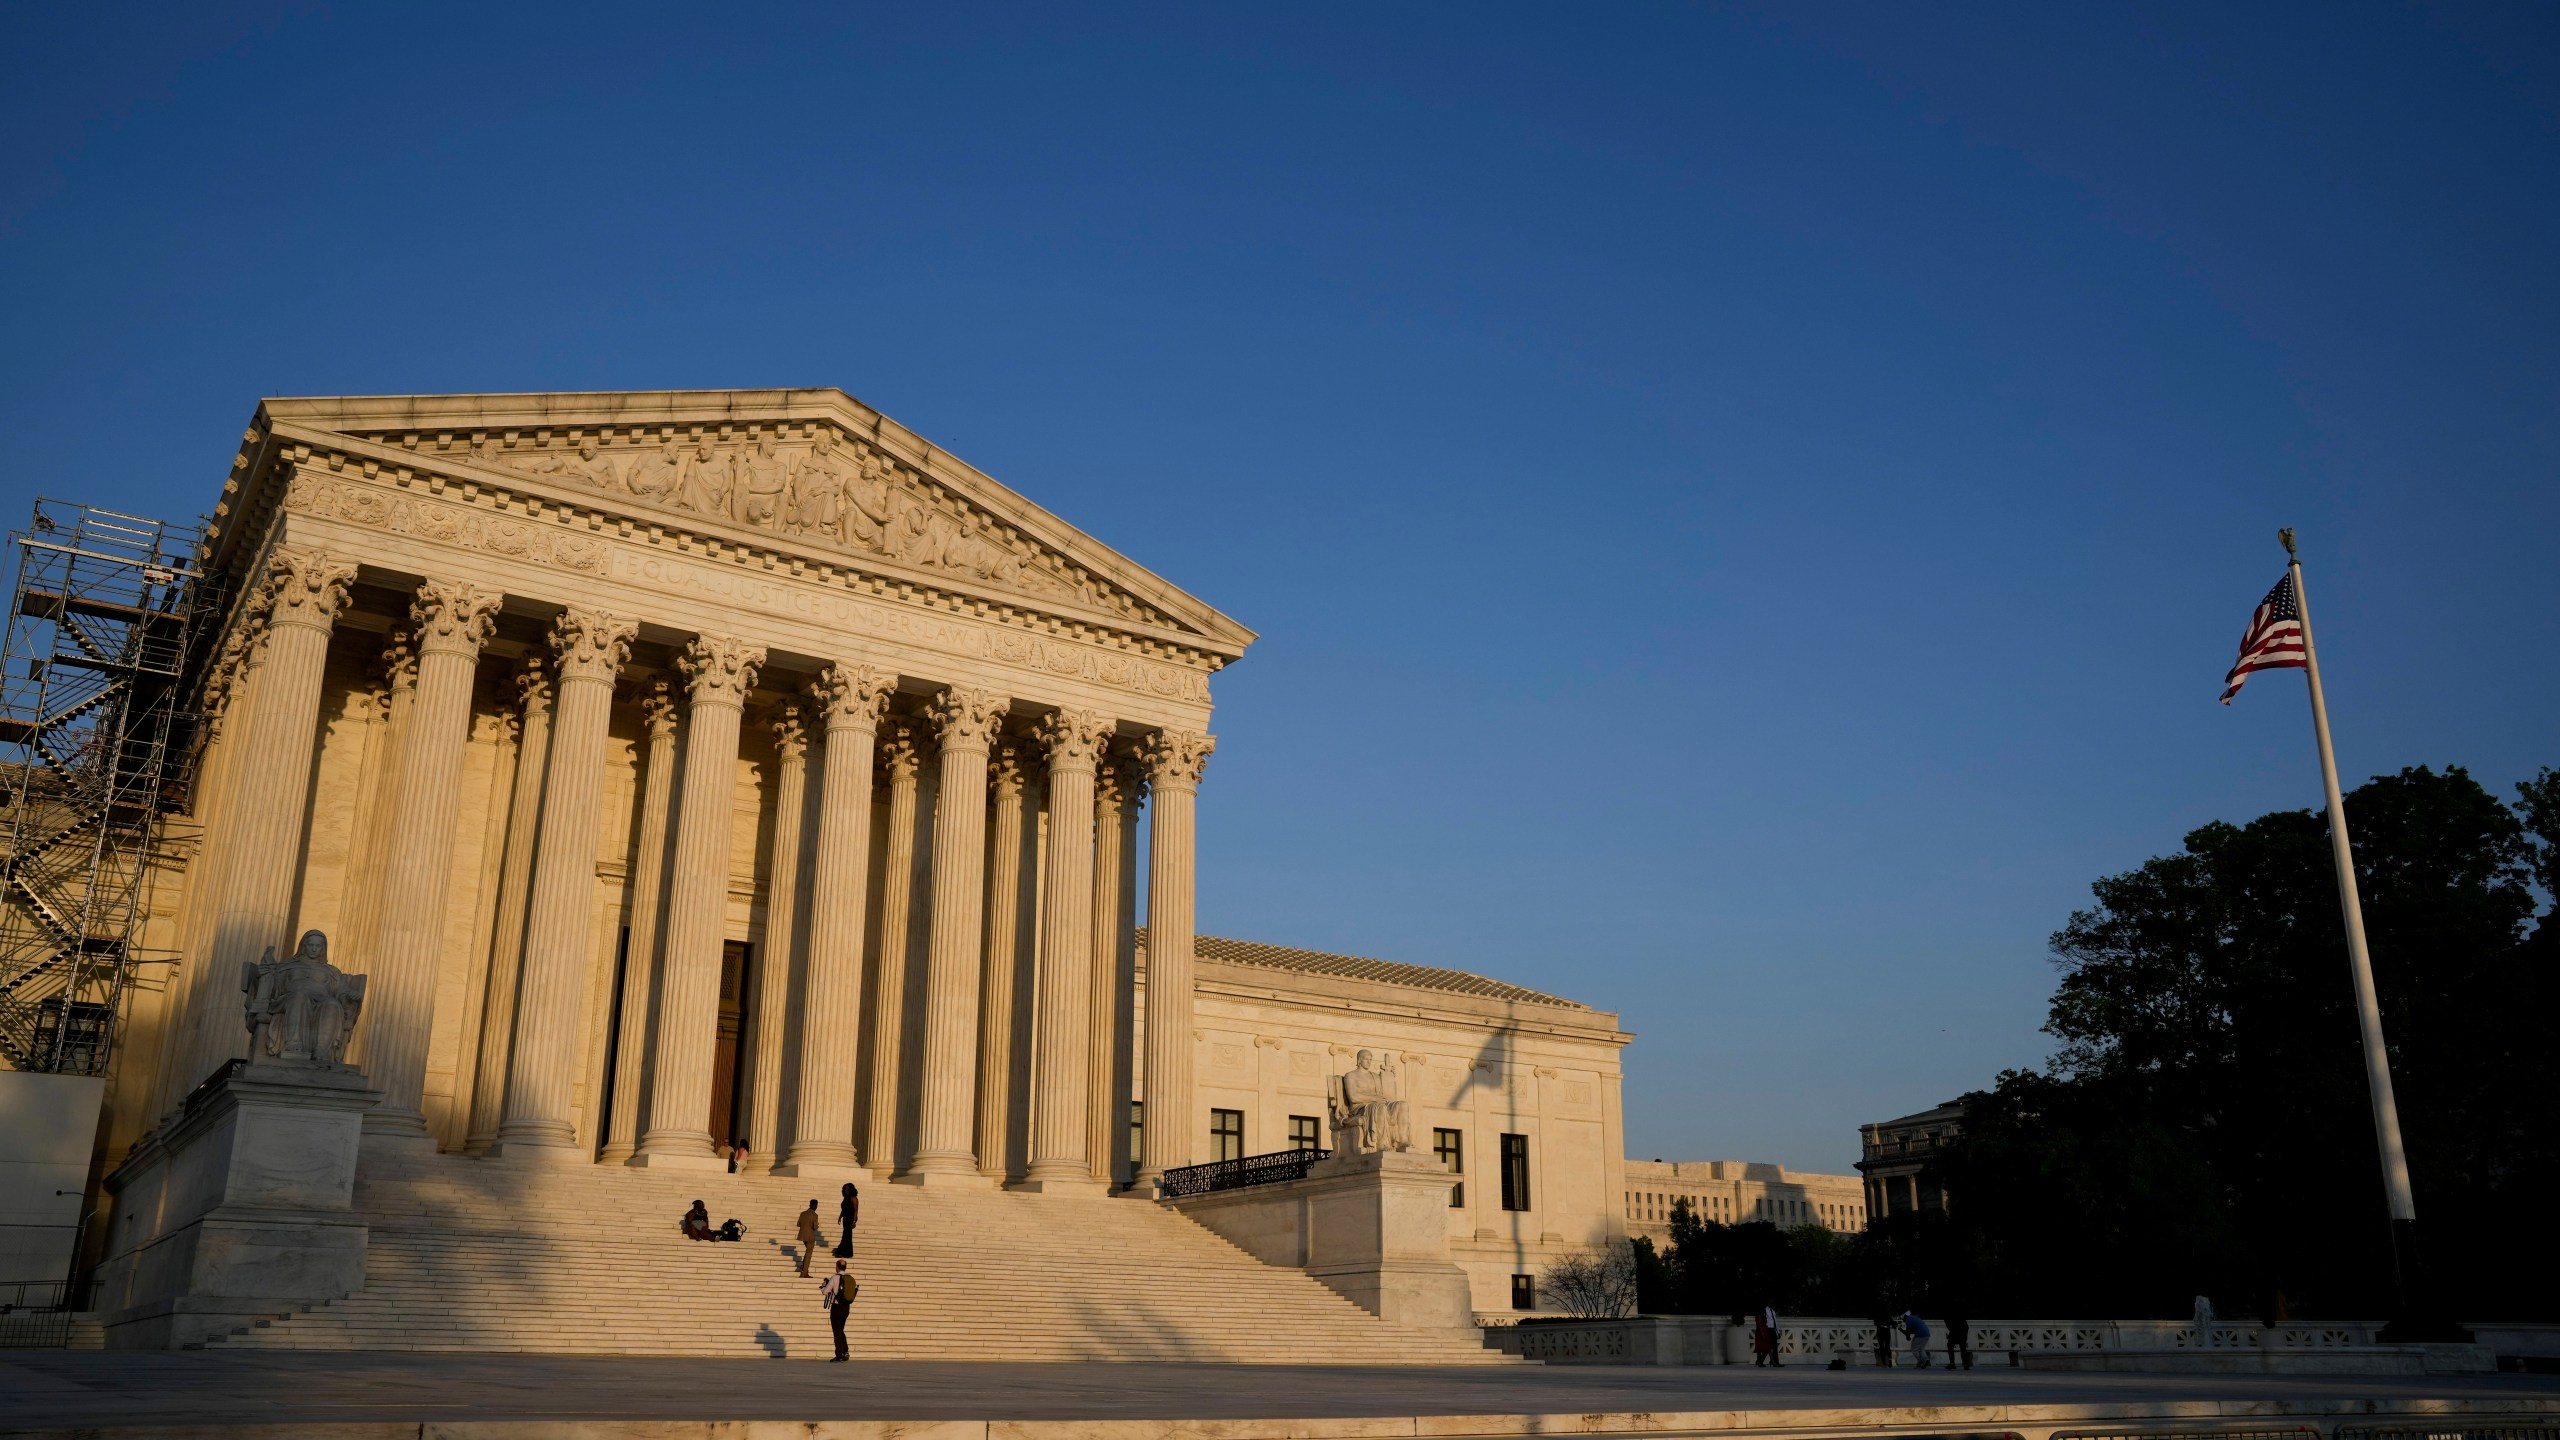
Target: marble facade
point(672, 764)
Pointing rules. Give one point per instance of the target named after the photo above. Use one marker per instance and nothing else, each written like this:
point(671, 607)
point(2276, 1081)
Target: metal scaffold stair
point(103, 645)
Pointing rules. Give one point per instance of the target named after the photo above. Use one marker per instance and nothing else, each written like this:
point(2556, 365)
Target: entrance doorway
point(728, 1057)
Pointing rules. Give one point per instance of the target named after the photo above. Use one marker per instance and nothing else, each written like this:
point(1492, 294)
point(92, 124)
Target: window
point(1524, 1292)
point(1303, 1134)
point(1515, 1172)
point(1226, 1134)
point(1450, 1146)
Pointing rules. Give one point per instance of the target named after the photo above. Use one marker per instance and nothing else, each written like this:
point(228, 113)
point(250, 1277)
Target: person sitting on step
point(697, 1223)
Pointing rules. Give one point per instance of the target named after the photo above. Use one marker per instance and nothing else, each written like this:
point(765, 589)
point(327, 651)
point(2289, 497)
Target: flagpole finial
point(2286, 535)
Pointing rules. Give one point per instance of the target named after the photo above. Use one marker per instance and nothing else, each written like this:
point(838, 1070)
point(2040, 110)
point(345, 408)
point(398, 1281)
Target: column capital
point(658, 707)
point(966, 719)
point(790, 730)
point(1176, 758)
point(1074, 738)
point(452, 618)
point(853, 695)
point(1119, 780)
point(592, 644)
point(533, 686)
point(395, 670)
point(901, 750)
point(720, 669)
point(1009, 767)
point(304, 587)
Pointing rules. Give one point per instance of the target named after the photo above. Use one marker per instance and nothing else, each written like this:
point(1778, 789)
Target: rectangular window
point(1515, 1172)
point(1450, 1146)
point(1524, 1292)
point(1303, 1133)
point(1226, 1134)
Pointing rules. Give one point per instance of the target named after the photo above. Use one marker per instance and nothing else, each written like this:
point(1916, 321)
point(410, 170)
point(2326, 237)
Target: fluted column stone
point(1175, 759)
point(589, 648)
point(645, 901)
point(966, 720)
point(301, 593)
point(515, 882)
point(1061, 1083)
point(852, 699)
point(395, 673)
point(719, 671)
point(1119, 789)
point(226, 709)
point(451, 622)
point(901, 757)
point(766, 1037)
point(999, 1041)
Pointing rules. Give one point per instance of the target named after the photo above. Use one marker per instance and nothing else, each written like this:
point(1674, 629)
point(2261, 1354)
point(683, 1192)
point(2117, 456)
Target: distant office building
point(1900, 1159)
point(1733, 1192)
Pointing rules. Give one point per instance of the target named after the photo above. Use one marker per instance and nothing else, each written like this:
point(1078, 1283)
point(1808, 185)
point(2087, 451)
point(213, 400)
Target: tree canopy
point(2204, 1124)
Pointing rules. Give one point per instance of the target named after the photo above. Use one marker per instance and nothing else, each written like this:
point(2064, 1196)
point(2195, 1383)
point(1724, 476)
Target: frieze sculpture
point(301, 1010)
point(1368, 1108)
point(848, 494)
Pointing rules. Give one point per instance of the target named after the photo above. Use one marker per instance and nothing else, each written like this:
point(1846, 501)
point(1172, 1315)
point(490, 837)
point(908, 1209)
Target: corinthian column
point(1119, 788)
point(719, 672)
point(1061, 1085)
point(589, 646)
point(900, 758)
point(781, 926)
point(515, 879)
point(300, 593)
point(853, 698)
point(944, 1145)
point(644, 900)
point(999, 1041)
point(369, 849)
point(451, 623)
point(1175, 759)
point(226, 712)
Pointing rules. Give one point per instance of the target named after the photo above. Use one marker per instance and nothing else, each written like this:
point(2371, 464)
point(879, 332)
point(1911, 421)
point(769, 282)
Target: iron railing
point(1239, 1173)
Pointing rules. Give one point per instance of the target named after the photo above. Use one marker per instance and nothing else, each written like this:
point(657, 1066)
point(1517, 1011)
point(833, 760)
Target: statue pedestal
point(240, 1206)
point(1373, 1227)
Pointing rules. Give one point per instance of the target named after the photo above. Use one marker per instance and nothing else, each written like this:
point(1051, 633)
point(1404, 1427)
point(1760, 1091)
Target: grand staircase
point(473, 1255)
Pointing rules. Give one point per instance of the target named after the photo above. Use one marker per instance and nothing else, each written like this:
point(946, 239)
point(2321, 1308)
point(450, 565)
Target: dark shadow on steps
point(772, 1341)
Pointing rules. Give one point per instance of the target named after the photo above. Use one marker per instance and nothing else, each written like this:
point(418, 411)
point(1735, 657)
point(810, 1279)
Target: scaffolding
point(102, 628)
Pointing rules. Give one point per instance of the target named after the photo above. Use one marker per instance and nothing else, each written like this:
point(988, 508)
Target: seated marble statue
point(301, 1010)
point(1368, 1108)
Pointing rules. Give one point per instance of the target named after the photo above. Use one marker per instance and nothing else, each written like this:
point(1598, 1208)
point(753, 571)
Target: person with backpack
point(837, 1295)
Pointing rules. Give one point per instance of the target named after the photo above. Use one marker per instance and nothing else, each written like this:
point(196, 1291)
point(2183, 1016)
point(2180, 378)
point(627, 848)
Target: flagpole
point(2377, 1061)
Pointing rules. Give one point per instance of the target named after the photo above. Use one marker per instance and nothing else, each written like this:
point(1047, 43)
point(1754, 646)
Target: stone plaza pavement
point(244, 1394)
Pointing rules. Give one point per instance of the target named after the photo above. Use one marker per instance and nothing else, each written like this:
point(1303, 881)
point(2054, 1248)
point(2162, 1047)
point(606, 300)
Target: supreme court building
point(686, 766)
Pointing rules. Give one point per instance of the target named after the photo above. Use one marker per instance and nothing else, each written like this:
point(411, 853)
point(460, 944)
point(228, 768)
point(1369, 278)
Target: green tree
point(2204, 1124)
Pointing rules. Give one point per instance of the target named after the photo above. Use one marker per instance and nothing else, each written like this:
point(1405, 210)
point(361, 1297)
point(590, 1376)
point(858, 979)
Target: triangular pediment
point(807, 471)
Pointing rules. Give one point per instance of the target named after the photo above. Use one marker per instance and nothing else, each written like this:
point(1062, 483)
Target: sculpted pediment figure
point(815, 469)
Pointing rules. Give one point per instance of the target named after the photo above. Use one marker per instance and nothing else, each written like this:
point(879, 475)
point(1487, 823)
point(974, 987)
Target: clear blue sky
point(1747, 508)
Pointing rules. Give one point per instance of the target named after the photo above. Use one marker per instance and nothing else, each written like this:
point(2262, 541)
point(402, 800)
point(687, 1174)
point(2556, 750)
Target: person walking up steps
point(850, 1212)
point(808, 1237)
point(837, 1295)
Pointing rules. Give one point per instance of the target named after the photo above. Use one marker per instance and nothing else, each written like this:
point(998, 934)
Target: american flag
point(2273, 640)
